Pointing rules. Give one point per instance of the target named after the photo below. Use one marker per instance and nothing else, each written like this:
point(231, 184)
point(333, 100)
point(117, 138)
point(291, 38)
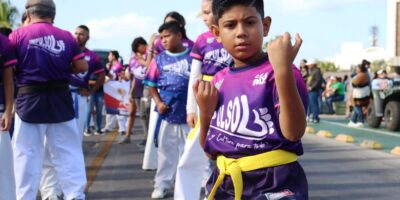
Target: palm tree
point(8, 14)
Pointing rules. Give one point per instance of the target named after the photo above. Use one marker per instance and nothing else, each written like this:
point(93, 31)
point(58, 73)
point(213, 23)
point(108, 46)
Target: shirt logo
point(48, 44)
point(278, 195)
point(87, 58)
point(234, 119)
point(260, 79)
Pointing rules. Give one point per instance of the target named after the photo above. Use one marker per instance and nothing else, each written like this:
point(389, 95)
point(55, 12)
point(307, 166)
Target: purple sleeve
point(197, 48)
point(301, 88)
point(98, 67)
point(152, 75)
point(8, 52)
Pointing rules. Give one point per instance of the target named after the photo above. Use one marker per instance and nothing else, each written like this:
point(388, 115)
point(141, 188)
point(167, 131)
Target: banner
point(116, 97)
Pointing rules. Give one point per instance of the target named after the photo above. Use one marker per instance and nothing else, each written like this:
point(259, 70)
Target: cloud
point(127, 25)
point(306, 7)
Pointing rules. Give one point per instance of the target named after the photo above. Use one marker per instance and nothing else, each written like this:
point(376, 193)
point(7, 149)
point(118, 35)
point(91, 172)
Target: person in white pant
point(193, 168)
point(8, 61)
point(44, 106)
point(79, 87)
point(169, 73)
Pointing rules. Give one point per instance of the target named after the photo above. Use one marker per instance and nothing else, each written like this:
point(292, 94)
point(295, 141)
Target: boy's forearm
point(155, 95)
point(204, 126)
point(292, 117)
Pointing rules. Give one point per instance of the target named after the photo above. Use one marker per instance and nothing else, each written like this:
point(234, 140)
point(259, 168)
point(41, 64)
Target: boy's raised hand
point(206, 97)
point(281, 52)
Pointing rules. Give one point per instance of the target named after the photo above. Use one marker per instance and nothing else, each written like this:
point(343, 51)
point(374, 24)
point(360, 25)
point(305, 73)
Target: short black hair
point(115, 53)
point(180, 19)
point(5, 31)
point(137, 42)
point(84, 27)
point(172, 26)
point(219, 7)
point(177, 16)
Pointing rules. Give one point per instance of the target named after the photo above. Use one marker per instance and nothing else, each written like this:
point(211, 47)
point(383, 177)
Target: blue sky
point(323, 24)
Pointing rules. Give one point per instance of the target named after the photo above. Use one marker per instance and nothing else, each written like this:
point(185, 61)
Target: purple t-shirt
point(115, 69)
point(138, 72)
point(211, 53)
point(81, 80)
point(170, 73)
point(8, 58)
point(45, 54)
point(246, 121)
point(159, 47)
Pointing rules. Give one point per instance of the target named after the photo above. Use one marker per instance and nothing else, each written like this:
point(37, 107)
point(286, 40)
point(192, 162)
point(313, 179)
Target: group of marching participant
point(230, 116)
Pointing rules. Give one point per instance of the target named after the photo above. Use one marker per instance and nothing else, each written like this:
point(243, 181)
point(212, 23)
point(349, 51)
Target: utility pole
point(374, 35)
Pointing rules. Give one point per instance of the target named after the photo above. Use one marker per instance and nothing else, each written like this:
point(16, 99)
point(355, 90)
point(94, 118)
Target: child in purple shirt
point(253, 113)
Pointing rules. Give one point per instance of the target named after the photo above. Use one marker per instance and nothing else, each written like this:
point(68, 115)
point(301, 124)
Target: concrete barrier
point(324, 133)
point(371, 144)
point(345, 138)
point(396, 151)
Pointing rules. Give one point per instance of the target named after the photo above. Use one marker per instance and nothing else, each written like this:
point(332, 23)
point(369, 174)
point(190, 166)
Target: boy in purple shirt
point(169, 72)
point(7, 63)
point(253, 113)
point(44, 108)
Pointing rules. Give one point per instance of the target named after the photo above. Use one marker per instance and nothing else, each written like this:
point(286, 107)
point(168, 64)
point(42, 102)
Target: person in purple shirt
point(44, 107)
point(155, 44)
point(209, 57)
point(115, 68)
point(7, 63)
point(138, 92)
point(254, 130)
point(169, 73)
point(79, 87)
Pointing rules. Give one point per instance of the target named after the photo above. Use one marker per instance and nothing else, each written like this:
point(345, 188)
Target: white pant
point(111, 122)
point(82, 106)
point(49, 186)
point(122, 122)
point(171, 140)
point(7, 180)
point(64, 143)
point(191, 169)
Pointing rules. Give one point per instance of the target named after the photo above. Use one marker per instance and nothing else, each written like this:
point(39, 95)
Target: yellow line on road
point(93, 169)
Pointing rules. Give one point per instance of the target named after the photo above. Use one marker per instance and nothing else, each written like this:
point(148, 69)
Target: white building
point(393, 28)
point(353, 52)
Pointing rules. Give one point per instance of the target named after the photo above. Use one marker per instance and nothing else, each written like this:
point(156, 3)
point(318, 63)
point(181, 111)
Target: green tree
point(8, 14)
point(327, 66)
point(379, 64)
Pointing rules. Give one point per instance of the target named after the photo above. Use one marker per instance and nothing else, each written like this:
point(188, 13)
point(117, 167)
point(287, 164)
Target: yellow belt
point(207, 78)
point(235, 167)
point(196, 128)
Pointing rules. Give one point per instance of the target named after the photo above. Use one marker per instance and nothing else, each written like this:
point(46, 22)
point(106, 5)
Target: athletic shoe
point(104, 130)
point(141, 143)
point(99, 133)
point(352, 124)
point(124, 140)
point(87, 133)
point(360, 125)
point(159, 193)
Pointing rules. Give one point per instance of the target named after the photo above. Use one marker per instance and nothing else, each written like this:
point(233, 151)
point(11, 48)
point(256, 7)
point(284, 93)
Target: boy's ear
point(215, 31)
point(266, 25)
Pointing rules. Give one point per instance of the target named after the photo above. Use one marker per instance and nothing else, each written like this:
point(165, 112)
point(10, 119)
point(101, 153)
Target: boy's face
point(241, 30)
point(170, 40)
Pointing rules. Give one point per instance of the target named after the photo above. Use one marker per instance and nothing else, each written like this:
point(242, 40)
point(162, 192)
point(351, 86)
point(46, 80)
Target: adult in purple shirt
point(44, 109)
